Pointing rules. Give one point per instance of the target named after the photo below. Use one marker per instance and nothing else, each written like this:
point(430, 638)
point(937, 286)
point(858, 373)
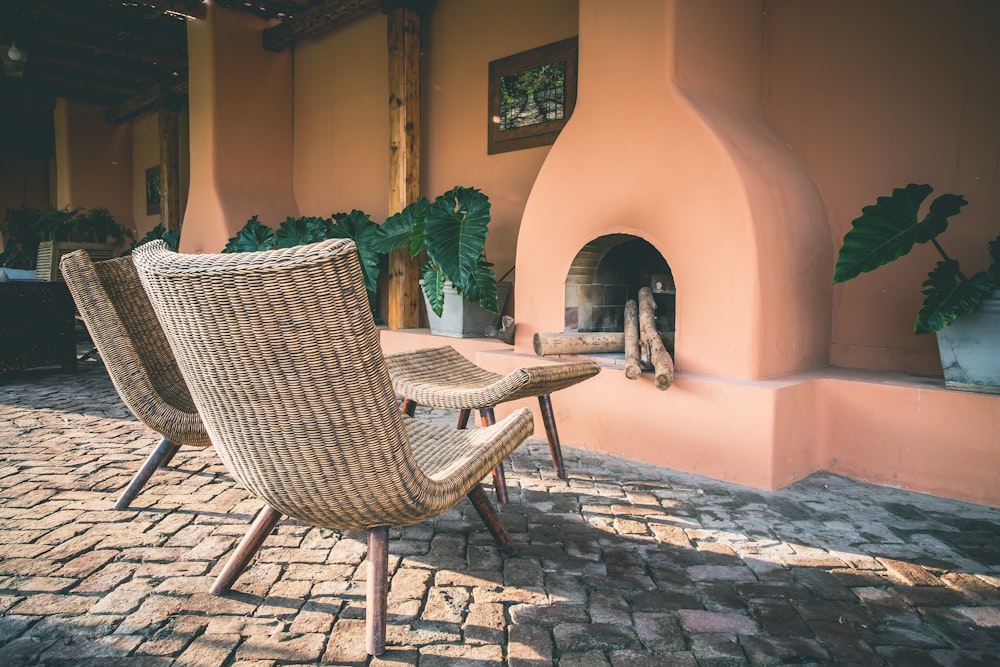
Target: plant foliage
point(452, 229)
point(254, 236)
point(171, 238)
point(889, 229)
point(358, 227)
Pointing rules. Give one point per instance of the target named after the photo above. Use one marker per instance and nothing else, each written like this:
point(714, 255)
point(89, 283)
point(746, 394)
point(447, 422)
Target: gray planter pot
point(970, 349)
point(462, 319)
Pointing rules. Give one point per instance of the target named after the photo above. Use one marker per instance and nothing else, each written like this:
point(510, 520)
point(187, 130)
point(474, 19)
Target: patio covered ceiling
point(128, 56)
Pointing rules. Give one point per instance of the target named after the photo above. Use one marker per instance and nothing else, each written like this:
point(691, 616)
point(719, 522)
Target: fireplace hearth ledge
point(890, 428)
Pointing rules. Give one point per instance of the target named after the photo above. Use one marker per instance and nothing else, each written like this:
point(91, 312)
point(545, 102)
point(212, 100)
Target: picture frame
point(531, 96)
point(153, 190)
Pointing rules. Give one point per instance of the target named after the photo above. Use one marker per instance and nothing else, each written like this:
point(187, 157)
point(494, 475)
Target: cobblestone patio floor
point(621, 564)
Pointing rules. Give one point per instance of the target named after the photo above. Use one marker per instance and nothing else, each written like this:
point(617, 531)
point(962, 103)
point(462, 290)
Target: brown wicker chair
point(138, 358)
point(441, 377)
point(283, 360)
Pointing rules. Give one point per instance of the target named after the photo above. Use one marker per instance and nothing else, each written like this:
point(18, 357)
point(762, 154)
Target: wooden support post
point(404, 157)
point(663, 365)
point(170, 180)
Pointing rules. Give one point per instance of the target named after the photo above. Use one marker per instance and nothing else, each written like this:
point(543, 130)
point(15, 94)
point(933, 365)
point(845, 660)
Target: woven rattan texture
point(283, 360)
point(441, 377)
point(132, 345)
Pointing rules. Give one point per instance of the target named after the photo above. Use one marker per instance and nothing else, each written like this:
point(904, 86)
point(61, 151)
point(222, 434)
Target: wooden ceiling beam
point(192, 9)
point(151, 98)
point(174, 60)
point(315, 21)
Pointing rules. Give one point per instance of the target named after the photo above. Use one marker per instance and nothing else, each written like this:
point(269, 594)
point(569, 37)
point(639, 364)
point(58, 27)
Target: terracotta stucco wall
point(341, 116)
point(341, 157)
point(93, 161)
point(875, 95)
point(145, 154)
point(240, 105)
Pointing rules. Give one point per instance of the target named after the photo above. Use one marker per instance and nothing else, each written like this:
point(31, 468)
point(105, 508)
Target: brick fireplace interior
point(606, 273)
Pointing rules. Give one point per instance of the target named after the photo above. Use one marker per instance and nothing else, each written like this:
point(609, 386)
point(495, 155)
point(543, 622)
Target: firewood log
point(632, 368)
point(578, 342)
point(663, 365)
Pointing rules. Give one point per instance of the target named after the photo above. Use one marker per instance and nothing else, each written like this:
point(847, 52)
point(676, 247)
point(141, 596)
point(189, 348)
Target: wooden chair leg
point(265, 521)
point(463, 418)
point(489, 516)
point(158, 458)
point(378, 585)
point(499, 479)
point(409, 407)
point(549, 419)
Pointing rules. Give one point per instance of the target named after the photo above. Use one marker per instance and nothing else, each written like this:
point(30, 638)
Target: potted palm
point(963, 311)
point(460, 289)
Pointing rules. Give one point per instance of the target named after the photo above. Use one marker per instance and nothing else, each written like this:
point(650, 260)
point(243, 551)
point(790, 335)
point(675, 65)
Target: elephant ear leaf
point(358, 227)
point(947, 296)
point(404, 228)
point(888, 229)
point(433, 285)
point(457, 224)
point(300, 231)
point(253, 237)
point(482, 287)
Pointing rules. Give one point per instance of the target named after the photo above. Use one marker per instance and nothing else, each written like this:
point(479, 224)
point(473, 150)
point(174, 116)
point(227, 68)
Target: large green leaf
point(253, 237)
point(947, 296)
point(456, 229)
point(358, 227)
point(404, 228)
point(887, 230)
point(482, 287)
point(433, 285)
point(300, 231)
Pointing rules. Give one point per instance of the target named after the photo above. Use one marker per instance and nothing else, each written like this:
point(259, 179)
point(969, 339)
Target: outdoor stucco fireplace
point(665, 184)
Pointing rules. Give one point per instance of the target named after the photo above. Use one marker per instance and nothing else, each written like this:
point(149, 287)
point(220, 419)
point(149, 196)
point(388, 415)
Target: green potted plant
point(452, 230)
point(356, 225)
point(964, 311)
point(56, 232)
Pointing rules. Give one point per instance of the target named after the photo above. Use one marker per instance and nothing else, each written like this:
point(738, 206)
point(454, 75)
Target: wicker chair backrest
point(132, 345)
point(282, 356)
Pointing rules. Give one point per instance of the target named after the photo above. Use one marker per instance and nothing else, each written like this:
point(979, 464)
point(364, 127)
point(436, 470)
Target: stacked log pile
point(642, 342)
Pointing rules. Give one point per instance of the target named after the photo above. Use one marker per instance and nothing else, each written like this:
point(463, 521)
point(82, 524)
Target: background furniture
point(36, 325)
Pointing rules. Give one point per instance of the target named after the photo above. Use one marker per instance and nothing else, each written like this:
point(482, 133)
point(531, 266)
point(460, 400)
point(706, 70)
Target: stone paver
point(623, 564)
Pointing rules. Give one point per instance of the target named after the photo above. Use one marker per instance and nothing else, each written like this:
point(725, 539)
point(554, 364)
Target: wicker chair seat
point(441, 377)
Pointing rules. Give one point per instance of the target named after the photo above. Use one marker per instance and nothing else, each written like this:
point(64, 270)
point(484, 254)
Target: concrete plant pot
point(464, 319)
point(970, 349)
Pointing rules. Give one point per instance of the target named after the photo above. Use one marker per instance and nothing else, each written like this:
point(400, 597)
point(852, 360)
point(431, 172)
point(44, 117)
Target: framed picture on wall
point(531, 96)
point(153, 190)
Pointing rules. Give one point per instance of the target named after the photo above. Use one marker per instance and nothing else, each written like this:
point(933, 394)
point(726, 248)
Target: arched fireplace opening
point(609, 271)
